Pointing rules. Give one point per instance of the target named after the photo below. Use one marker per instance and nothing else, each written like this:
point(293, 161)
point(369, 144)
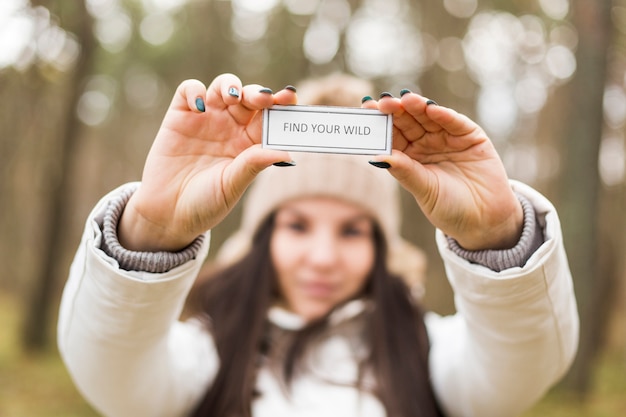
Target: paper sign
point(327, 129)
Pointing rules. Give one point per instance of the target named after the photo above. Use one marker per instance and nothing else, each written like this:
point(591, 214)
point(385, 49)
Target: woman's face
point(323, 251)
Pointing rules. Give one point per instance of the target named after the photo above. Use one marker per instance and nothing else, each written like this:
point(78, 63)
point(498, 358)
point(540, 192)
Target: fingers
point(435, 118)
point(407, 128)
point(255, 97)
point(412, 114)
point(193, 95)
point(225, 100)
point(286, 96)
point(416, 118)
point(411, 108)
point(189, 95)
point(225, 90)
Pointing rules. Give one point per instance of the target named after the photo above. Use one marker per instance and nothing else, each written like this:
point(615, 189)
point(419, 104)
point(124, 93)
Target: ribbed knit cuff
point(154, 262)
point(517, 256)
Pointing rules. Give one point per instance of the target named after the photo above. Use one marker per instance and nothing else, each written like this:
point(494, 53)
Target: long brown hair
point(235, 302)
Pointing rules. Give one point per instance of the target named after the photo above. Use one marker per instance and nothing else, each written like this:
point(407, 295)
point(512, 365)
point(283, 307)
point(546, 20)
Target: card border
point(386, 150)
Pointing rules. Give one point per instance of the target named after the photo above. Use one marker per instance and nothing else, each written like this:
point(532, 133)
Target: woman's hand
point(204, 156)
point(454, 172)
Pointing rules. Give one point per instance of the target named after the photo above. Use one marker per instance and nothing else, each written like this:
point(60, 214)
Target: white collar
point(288, 320)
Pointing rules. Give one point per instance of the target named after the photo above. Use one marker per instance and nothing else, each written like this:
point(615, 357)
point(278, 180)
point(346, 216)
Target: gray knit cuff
point(154, 262)
point(517, 256)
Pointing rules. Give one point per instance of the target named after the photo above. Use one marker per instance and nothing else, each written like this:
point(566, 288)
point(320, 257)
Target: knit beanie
point(345, 177)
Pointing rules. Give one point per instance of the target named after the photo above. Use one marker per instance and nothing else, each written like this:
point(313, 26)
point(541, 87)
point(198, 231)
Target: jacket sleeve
point(119, 334)
point(515, 333)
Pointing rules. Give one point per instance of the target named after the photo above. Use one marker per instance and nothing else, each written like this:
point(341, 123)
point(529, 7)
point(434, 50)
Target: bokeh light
point(612, 160)
point(461, 8)
point(560, 62)
point(96, 101)
point(142, 87)
point(301, 7)
point(615, 106)
point(113, 30)
point(382, 42)
point(555, 9)
point(255, 6)
point(16, 30)
point(451, 54)
point(321, 41)
point(157, 28)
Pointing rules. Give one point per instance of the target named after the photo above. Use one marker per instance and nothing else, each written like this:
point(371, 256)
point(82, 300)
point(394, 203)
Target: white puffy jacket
point(515, 334)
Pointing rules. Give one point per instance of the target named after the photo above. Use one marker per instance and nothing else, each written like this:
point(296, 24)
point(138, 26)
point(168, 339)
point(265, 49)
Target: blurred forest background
point(85, 83)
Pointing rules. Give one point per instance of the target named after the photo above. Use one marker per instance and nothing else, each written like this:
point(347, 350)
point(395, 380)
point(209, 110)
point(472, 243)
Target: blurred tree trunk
point(37, 316)
point(581, 184)
point(12, 139)
point(435, 21)
point(208, 41)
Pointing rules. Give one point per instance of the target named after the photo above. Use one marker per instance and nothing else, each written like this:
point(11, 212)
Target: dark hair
point(235, 302)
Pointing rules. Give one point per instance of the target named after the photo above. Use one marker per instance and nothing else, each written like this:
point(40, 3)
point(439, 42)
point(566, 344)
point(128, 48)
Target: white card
point(327, 129)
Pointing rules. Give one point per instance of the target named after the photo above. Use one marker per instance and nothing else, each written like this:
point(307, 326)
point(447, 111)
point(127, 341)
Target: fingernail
point(381, 164)
point(232, 91)
point(429, 102)
point(284, 164)
point(404, 91)
point(266, 91)
point(385, 94)
point(200, 104)
point(290, 87)
point(366, 98)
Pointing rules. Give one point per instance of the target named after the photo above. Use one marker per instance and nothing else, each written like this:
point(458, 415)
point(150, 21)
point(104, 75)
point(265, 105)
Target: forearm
point(118, 332)
point(515, 333)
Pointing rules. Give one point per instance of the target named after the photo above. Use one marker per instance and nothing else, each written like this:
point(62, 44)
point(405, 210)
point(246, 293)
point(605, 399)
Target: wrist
point(136, 232)
point(498, 260)
point(502, 234)
point(137, 260)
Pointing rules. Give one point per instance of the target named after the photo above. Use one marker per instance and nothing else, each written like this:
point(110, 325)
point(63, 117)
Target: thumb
point(410, 173)
point(246, 166)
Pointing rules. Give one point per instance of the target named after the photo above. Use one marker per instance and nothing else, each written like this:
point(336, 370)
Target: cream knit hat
point(346, 177)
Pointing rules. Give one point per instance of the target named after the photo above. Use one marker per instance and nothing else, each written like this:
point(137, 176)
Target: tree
point(79, 22)
point(580, 182)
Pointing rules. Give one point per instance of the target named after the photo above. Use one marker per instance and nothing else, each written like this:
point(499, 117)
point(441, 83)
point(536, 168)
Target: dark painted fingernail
point(232, 91)
point(266, 91)
point(429, 102)
point(381, 164)
point(385, 94)
point(200, 104)
point(284, 164)
point(366, 98)
point(404, 91)
point(290, 87)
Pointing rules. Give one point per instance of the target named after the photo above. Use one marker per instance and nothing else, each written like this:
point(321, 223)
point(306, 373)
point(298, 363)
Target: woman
point(310, 316)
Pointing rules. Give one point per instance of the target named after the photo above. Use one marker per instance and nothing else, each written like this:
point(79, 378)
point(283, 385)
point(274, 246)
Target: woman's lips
point(317, 289)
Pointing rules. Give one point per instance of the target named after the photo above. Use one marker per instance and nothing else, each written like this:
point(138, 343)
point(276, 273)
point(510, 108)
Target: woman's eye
point(351, 231)
point(296, 226)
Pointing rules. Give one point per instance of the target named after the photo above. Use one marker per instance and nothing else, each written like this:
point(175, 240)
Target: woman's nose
point(323, 250)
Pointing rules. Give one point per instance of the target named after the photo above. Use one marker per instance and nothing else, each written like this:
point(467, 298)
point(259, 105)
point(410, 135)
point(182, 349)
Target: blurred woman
point(314, 308)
